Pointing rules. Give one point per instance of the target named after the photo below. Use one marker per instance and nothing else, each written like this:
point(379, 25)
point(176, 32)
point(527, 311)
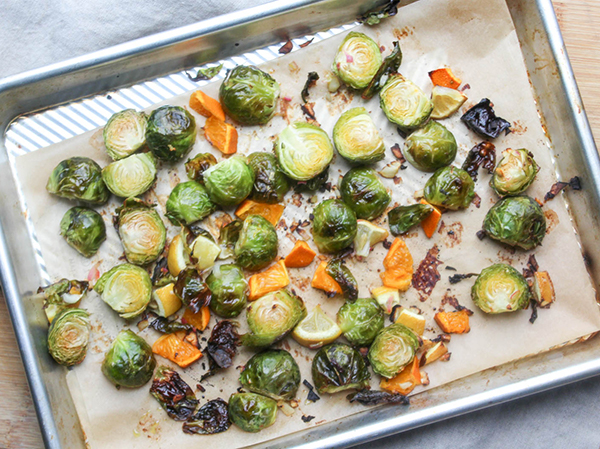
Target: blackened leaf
point(314, 184)
point(192, 290)
point(173, 394)
point(342, 275)
point(165, 326)
point(307, 43)
point(377, 15)
point(456, 278)
point(482, 155)
point(286, 48)
point(375, 397)
point(307, 418)
point(222, 344)
point(481, 119)
point(574, 183)
point(205, 73)
point(310, 81)
point(309, 111)
point(390, 64)
point(213, 417)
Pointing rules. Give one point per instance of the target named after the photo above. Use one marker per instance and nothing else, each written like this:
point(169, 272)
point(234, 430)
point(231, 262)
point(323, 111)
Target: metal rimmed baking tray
point(108, 71)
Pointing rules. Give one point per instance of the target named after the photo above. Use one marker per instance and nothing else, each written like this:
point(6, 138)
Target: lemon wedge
point(446, 101)
point(177, 258)
point(165, 302)
point(412, 320)
point(316, 330)
point(367, 235)
point(205, 251)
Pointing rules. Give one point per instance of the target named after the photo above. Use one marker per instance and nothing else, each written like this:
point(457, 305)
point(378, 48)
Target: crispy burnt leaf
point(390, 64)
point(310, 82)
point(222, 344)
point(376, 15)
point(342, 275)
point(213, 417)
point(286, 48)
point(205, 73)
point(574, 183)
point(482, 120)
point(312, 185)
point(481, 155)
point(165, 326)
point(173, 394)
point(192, 290)
point(160, 274)
point(456, 278)
point(375, 397)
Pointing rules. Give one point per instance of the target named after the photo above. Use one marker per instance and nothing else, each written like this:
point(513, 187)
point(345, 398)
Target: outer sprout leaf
point(192, 290)
point(377, 15)
point(213, 417)
point(364, 193)
point(402, 218)
point(390, 64)
point(482, 120)
point(205, 73)
point(196, 166)
point(481, 155)
point(222, 344)
point(173, 394)
point(229, 290)
point(310, 81)
point(171, 132)
point(342, 275)
point(361, 321)
point(375, 397)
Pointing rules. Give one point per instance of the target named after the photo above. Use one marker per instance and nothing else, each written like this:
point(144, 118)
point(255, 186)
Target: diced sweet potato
point(431, 222)
point(206, 106)
point(272, 212)
point(300, 256)
point(543, 289)
point(398, 264)
point(433, 353)
point(273, 279)
point(444, 77)
point(406, 381)
point(323, 281)
point(454, 322)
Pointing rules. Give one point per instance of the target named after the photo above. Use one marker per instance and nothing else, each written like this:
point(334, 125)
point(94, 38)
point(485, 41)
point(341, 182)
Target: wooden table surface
point(580, 24)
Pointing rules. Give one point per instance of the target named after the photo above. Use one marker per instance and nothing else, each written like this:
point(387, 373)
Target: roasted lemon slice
point(165, 302)
point(177, 259)
point(316, 330)
point(446, 102)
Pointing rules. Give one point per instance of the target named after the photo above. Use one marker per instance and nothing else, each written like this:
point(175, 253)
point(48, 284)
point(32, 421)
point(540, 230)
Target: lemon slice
point(177, 259)
point(412, 320)
point(367, 235)
point(446, 101)
point(205, 251)
point(316, 330)
point(165, 301)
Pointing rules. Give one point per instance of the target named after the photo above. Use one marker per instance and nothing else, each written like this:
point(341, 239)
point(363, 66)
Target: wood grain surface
point(580, 24)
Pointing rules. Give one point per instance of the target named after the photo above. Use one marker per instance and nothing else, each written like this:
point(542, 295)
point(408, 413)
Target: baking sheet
point(432, 33)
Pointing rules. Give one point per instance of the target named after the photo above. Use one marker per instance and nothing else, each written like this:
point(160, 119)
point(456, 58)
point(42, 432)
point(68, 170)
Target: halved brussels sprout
point(125, 133)
point(129, 361)
point(334, 226)
point(272, 317)
point(192, 290)
point(189, 202)
point(451, 188)
point(357, 139)
point(61, 295)
point(303, 150)
point(430, 147)
point(270, 183)
point(338, 367)
point(273, 373)
point(248, 95)
point(131, 176)
point(229, 290)
point(516, 221)
point(78, 178)
point(229, 182)
point(256, 246)
point(126, 288)
point(171, 132)
point(364, 193)
point(142, 232)
point(515, 172)
point(196, 167)
point(69, 336)
point(357, 60)
point(83, 229)
point(404, 103)
point(393, 348)
point(402, 218)
point(361, 321)
point(252, 412)
point(500, 288)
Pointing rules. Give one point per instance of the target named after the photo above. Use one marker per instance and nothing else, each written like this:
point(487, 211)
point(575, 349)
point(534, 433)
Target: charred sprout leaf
point(270, 183)
point(357, 139)
point(317, 183)
point(393, 348)
point(129, 361)
point(126, 288)
point(171, 132)
point(78, 178)
point(371, 18)
point(310, 82)
point(229, 290)
point(404, 103)
point(286, 48)
point(192, 290)
point(402, 218)
point(456, 278)
point(500, 288)
point(481, 155)
point(222, 344)
point(364, 193)
point(430, 147)
point(125, 133)
point(451, 188)
point(390, 65)
point(515, 172)
point(205, 73)
point(83, 229)
point(574, 183)
point(334, 226)
point(256, 246)
point(213, 417)
point(229, 182)
point(273, 373)
point(130, 176)
point(61, 295)
point(374, 397)
point(361, 321)
point(252, 412)
point(189, 202)
point(229, 237)
point(166, 326)
point(196, 166)
point(69, 336)
point(357, 60)
point(173, 394)
point(482, 120)
point(338, 367)
point(342, 275)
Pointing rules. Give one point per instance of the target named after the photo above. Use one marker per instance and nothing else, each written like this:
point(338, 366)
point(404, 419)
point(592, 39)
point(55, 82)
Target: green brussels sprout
point(344, 277)
point(338, 367)
point(404, 103)
point(273, 373)
point(126, 288)
point(430, 147)
point(78, 178)
point(334, 226)
point(515, 172)
point(142, 232)
point(402, 218)
point(357, 60)
point(303, 150)
point(364, 193)
point(83, 229)
point(189, 202)
point(516, 221)
point(61, 295)
point(69, 336)
point(229, 290)
point(129, 361)
point(393, 348)
point(125, 133)
point(270, 183)
point(272, 317)
point(248, 95)
point(357, 139)
point(173, 394)
point(451, 188)
point(131, 176)
point(171, 132)
point(230, 233)
point(196, 167)
point(256, 246)
point(252, 412)
point(192, 290)
point(500, 288)
point(361, 321)
point(229, 182)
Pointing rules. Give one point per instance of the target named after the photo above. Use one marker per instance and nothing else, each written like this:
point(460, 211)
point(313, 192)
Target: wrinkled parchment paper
point(477, 40)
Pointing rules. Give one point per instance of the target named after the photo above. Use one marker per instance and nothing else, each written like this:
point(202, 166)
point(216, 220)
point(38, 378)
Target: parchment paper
point(477, 40)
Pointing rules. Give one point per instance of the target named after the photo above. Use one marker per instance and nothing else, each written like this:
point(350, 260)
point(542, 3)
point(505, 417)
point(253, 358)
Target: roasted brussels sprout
point(270, 183)
point(171, 132)
point(83, 229)
point(126, 288)
point(364, 193)
point(361, 321)
point(173, 394)
point(249, 96)
point(228, 287)
point(61, 295)
point(196, 167)
point(125, 133)
point(430, 147)
point(451, 188)
point(303, 150)
point(78, 178)
point(402, 218)
point(131, 176)
point(211, 418)
point(189, 202)
point(334, 226)
point(404, 103)
point(129, 361)
point(142, 232)
point(515, 172)
point(272, 317)
point(273, 373)
point(357, 139)
point(516, 221)
point(393, 348)
point(69, 336)
point(256, 246)
point(338, 367)
point(192, 290)
point(319, 182)
point(252, 412)
point(229, 182)
point(500, 288)
point(357, 60)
